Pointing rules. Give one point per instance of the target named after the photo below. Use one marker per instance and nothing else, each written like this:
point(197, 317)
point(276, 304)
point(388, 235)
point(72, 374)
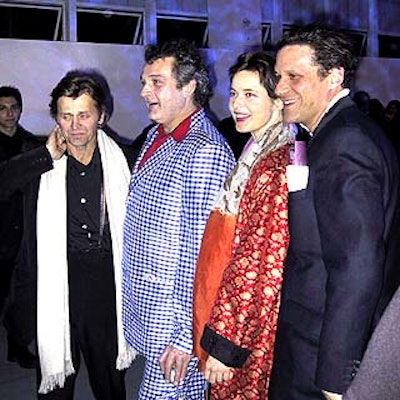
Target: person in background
point(391, 123)
point(175, 181)
point(236, 140)
point(239, 269)
point(392, 111)
point(342, 264)
point(376, 111)
point(362, 100)
point(75, 188)
point(138, 142)
point(14, 139)
point(379, 375)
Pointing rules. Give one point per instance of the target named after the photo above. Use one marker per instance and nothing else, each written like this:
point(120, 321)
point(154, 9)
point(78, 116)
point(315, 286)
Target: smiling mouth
point(288, 102)
point(241, 117)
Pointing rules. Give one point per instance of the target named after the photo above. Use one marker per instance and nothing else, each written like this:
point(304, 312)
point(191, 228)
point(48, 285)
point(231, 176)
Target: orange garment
point(245, 307)
point(215, 252)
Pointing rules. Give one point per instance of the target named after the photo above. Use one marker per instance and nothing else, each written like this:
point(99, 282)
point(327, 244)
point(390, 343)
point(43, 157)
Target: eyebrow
point(253, 90)
point(9, 105)
point(156, 75)
point(153, 76)
point(73, 114)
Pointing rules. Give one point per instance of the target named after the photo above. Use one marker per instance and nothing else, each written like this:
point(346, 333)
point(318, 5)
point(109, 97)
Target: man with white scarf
point(75, 188)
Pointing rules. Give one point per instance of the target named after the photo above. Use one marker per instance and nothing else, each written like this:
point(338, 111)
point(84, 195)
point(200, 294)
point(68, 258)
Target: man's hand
point(56, 143)
point(331, 396)
point(173, 363)
point(217, 372)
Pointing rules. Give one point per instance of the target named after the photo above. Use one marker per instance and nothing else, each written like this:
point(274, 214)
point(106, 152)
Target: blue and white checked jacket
point(169, 200)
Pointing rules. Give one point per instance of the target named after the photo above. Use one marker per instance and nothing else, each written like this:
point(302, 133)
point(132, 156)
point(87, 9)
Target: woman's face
point(249, 103)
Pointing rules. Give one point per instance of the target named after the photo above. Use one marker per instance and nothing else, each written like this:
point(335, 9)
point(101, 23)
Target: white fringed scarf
point(53, 328)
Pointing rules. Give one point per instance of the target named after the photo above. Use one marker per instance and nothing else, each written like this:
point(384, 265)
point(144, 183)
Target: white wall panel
point(37, 66)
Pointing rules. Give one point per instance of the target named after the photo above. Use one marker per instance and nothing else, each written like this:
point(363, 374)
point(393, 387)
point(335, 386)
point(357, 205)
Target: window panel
point(27, 22)
point(173, 28)
point(109, 27)
point(389, 46)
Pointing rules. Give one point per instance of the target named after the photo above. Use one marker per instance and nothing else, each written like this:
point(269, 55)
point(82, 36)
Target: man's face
point(391, 113)
point(305, 94)
point(78, 119)
point(10, 113)
point(166, 104)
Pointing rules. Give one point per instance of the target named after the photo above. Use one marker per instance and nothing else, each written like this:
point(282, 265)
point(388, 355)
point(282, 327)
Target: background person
point(236, 140)
point(14, 139)
point(379, 375)
point(391, 123)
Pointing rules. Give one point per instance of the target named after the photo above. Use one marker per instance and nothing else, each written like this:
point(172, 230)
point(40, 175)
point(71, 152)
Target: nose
point(236, 101)
point(281, 87)
point(10, 111)
point(74, 122)
point(145, 89)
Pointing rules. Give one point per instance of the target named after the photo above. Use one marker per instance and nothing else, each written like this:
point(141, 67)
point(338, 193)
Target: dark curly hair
point(332, 48)
point(257, 61)
point(188, 65)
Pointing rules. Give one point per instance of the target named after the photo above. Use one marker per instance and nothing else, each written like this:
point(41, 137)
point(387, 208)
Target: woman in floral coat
point(240, 265)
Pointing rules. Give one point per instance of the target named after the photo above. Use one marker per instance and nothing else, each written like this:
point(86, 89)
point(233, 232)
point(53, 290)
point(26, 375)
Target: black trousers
point(19, 316)
point(93, 327)
point(6, 271)
point(17, 303)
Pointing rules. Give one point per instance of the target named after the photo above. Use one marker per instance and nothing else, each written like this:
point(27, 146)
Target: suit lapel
point(343, 103)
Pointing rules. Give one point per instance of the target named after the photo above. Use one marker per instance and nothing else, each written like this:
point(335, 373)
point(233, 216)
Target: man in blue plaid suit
point(175, 181)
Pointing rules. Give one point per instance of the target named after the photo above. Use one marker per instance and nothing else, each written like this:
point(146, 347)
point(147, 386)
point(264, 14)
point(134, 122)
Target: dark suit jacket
point(379, 374)
point(11, 207)
point(341, 268)
point(23, 173)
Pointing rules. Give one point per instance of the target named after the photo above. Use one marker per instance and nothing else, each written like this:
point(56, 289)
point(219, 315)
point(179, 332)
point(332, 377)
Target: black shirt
point(88, 227)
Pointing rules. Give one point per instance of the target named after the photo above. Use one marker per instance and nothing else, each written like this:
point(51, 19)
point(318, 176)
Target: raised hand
point(56, 143)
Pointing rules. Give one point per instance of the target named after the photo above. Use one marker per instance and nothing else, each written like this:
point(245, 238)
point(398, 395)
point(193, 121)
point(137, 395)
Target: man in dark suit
point(341, 268)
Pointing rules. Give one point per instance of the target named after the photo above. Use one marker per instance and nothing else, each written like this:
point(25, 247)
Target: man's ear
point(190, 88)
point(102, 118)
point(336, 77)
